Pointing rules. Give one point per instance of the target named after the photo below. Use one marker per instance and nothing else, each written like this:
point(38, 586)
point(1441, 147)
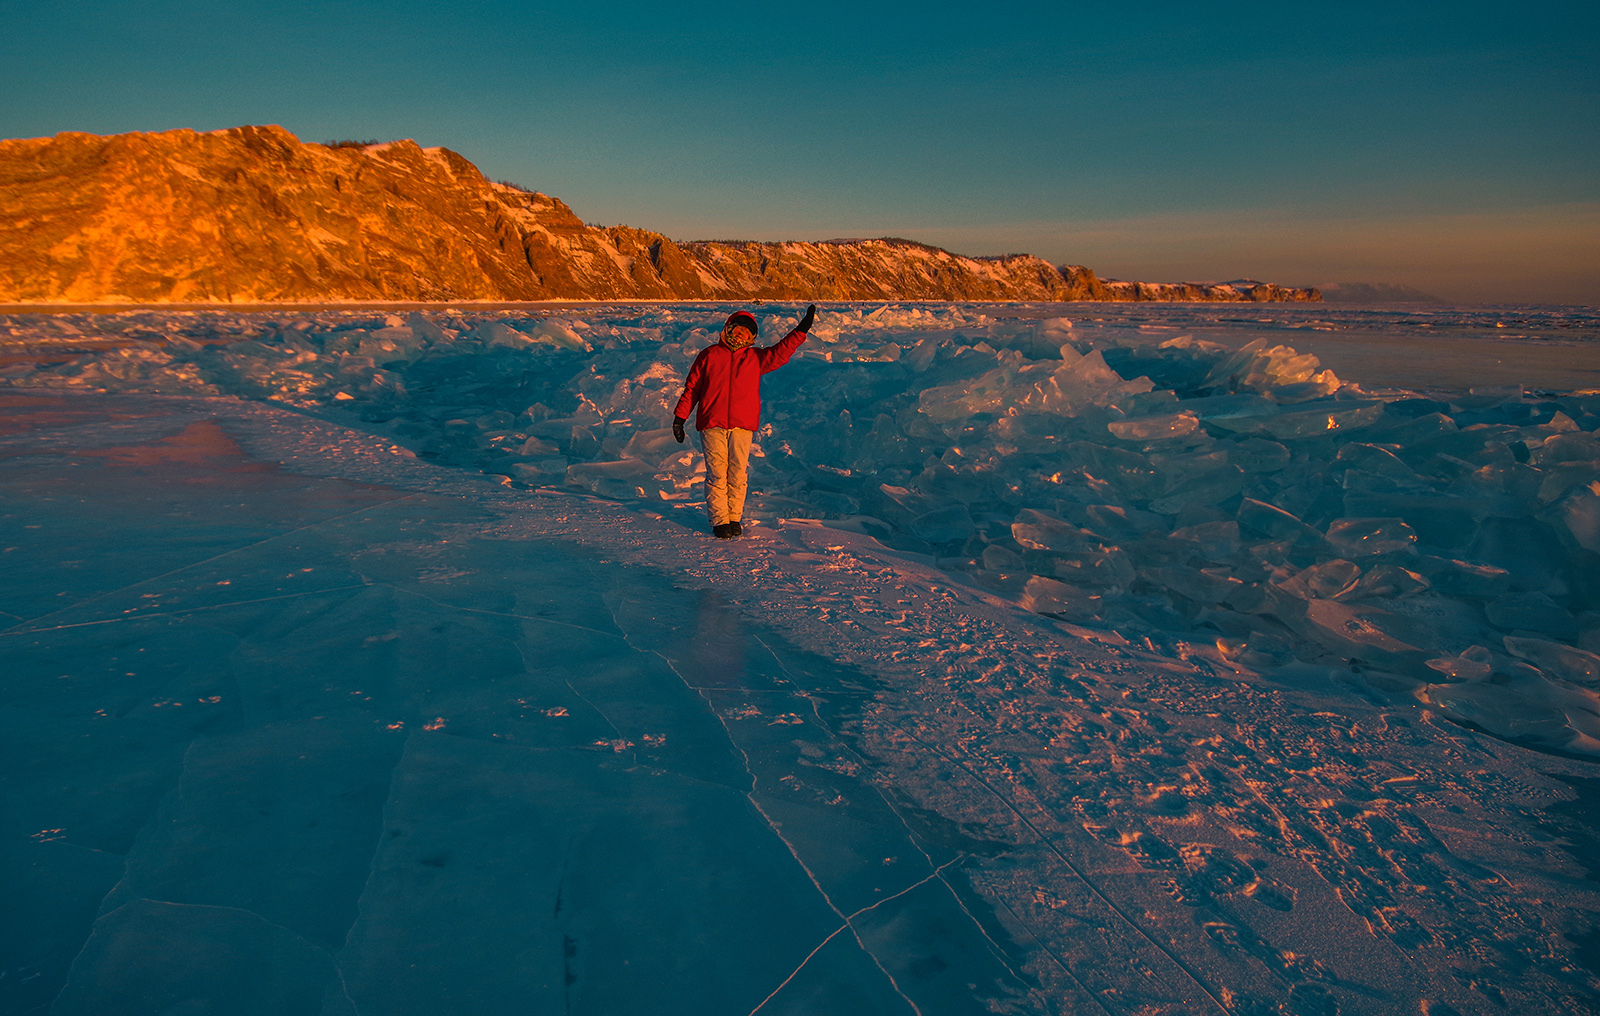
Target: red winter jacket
point(727, 383)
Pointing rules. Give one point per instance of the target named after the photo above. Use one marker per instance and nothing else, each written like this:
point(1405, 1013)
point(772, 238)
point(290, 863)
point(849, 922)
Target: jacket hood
point(740, 318)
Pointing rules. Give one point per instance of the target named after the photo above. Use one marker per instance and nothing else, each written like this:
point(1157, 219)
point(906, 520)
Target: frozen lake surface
point(297, 721)
point(308, 744)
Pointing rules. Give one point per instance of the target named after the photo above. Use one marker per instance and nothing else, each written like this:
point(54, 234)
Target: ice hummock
point(1150, 483)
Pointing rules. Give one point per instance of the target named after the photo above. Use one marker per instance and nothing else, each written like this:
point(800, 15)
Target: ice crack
point(215, 557)
point(936, 873)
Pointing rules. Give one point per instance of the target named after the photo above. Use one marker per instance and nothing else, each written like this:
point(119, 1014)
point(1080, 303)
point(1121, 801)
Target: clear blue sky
point(1454, 147)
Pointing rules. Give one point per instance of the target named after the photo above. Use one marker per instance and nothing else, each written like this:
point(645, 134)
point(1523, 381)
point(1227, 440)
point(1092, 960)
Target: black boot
point(736, 529)
point(723, 531)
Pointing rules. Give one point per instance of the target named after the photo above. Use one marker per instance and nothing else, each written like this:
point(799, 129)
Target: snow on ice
point(1149, 484)
point(1144, 636)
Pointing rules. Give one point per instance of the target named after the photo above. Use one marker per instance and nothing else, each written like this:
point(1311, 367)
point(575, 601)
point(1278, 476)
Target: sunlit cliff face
point(254, 214)
point(737, 336)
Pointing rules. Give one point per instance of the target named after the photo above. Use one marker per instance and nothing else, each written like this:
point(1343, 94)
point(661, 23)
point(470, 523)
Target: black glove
point(805, 322)
point(677, 429)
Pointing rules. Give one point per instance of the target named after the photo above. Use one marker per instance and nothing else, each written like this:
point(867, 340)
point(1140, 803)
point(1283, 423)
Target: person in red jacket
point(725, 380)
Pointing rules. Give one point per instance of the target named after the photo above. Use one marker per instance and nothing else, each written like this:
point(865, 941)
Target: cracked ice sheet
point(310, 745)
point(817, 776)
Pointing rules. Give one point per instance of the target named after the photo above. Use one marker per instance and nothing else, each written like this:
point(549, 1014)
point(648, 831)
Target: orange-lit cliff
point(254, 214)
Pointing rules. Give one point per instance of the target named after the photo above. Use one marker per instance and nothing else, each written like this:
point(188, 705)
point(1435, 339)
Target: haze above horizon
point(1449, 148)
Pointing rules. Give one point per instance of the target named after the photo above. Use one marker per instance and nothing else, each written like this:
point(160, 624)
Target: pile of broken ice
point(1170, 489)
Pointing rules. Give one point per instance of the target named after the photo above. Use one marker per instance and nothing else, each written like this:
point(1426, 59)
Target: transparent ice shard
point(1579, 515)
point(883, 445)
point(1304, 422)
point(944, 525)
point(1258, 650)
point(1048, 596)
point(583, 442)
point(651, 446)
point(1257, 455)
point(537, 471)
point(1510, 487)
point(1216, 541)
point(1385, 581)
point(1523, 706)
point(1203, 491)
point(1441, 521)
point(1194, 584)
point(1364, 633)
point(1319, 385)
point(1154, 428)
point(1001, 559)
point(425, 329)
point(558, 334)
point(920, 356)
point(984, 394)
point(1366, 537)
point(1182, 468)
point(1095, 567)
point(1554, 481)
point(1090, 381)
point(686, 464)
point(1328, 579)
point(1374, 459)
point(1120, 522)
point(1557, 659)
point(1232, 406)
point(626, 478)
point(1079, 383)
point(1568, 446)
point(1270, 520)
point(538, 448)
point(1489, 397)
point(1455, 577)
point(1039, 531)
point(1472, 664)
point(1260, 367)
point(1130, 472)
point(397, 344)
point(1527, 548)
point(900, 505)
point(1531, 611)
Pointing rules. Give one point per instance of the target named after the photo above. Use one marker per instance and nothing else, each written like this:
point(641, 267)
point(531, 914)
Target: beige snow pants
point(727, 452)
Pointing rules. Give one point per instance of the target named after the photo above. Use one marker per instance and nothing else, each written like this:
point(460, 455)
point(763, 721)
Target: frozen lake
point(314, 745)
point(296, 721)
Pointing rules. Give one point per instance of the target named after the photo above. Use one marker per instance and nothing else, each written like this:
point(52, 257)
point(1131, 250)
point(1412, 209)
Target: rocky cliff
point(254, 214)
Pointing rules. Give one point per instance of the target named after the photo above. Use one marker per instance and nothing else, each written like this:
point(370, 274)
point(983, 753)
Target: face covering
point(737, 337)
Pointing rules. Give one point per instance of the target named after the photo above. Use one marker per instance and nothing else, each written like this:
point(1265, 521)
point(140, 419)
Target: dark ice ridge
point(1112, 478)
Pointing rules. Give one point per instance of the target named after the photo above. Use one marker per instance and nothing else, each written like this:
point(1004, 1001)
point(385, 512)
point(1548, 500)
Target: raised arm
point(774, 356)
